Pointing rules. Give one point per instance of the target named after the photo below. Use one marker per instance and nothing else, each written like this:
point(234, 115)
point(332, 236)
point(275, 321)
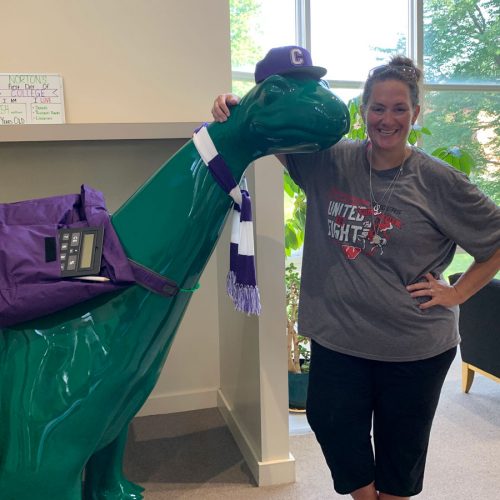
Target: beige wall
point(128, 61)
point(30, 170)
point(123, 60)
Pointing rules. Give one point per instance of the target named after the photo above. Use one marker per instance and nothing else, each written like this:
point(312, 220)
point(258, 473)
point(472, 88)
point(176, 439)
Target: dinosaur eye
point(272, 94)
point(277, 89)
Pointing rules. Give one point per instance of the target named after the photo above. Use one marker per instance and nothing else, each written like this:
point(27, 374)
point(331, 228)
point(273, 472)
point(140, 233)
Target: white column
point(254, 383)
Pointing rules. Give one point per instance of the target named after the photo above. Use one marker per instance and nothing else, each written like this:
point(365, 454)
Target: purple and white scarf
point(241, 284)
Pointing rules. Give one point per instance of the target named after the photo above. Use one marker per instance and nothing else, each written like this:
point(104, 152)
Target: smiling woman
point(389, 116)
point(373, 300)
point(367, 284)
point(390, 107)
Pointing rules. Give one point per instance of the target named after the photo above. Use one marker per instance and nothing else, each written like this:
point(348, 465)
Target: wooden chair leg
point(467, 377)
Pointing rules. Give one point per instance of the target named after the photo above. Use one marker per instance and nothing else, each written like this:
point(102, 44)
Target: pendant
point(376, 239)
point(376, 209)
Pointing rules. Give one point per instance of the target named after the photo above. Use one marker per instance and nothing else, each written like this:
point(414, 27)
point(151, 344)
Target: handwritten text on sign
point(31, 98)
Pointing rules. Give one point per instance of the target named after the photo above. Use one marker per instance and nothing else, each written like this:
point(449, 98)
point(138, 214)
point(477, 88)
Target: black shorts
point(347, 394)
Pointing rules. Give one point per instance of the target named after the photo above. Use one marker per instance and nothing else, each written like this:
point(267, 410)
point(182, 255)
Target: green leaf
point(456, 157)
point(291, 242)
point(413, 137)
point(291, 189)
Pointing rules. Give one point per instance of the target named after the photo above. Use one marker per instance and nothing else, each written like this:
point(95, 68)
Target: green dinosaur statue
point(72, 382)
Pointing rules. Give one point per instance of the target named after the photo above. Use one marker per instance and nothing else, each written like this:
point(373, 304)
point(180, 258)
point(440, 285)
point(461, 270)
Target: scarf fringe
point(246, 298)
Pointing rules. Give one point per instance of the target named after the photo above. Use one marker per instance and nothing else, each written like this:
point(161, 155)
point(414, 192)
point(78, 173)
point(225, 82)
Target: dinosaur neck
point(235, 147)
point(172, 223)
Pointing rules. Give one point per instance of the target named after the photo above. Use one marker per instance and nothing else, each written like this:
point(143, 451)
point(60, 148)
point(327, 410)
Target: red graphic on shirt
point(351, 252)
point(358, 227)
point(385, 225)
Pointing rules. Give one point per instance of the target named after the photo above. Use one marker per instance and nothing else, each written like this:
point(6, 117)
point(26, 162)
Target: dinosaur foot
point(124, 490)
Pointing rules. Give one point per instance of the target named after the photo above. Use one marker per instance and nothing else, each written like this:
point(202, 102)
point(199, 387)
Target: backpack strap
point(155, 282)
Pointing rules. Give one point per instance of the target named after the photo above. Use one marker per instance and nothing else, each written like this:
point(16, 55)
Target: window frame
point(414, 49)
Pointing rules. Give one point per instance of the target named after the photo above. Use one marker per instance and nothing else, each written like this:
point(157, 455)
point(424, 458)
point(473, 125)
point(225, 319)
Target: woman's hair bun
point(405, 64)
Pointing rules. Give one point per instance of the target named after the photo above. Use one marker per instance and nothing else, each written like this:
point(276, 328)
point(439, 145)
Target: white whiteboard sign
point(31, 98)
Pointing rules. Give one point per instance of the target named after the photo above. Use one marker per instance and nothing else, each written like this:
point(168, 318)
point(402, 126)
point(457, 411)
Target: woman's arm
point(477, 276)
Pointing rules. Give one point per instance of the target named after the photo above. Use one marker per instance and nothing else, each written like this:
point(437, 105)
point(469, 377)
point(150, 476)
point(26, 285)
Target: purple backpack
point(31, 284)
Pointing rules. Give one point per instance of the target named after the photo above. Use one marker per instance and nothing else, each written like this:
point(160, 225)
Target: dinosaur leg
point(44, 484)
point(104, 478)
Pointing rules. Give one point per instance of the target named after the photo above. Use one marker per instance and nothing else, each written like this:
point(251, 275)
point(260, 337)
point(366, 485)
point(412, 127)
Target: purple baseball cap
point(287, 60)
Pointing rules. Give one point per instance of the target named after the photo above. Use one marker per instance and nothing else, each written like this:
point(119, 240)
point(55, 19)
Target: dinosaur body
point(72, 382)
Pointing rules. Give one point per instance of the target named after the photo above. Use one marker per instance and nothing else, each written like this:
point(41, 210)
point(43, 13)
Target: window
point(468, 118)
point(461, 41)
point(256, 26)
point(462, 82)
point(349, 38)
point(454, 41)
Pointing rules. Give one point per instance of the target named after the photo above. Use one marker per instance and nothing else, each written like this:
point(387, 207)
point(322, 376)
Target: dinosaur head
point(285, 114)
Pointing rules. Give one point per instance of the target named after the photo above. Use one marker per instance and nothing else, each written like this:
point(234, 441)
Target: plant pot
point(297, 390)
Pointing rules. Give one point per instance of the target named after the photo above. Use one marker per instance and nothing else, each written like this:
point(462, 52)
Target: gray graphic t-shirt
point(357, 261)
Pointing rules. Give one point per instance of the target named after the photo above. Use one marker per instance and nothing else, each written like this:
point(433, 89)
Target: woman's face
point(389, 115)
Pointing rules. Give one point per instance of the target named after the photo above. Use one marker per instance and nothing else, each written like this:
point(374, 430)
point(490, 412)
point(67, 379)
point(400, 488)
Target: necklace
point(380, 207)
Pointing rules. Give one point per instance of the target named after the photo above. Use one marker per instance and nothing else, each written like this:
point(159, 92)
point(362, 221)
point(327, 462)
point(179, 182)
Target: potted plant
point(298, 345)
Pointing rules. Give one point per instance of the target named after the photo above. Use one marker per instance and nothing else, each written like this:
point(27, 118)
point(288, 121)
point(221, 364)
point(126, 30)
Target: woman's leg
point(339, 411)
point(365, 493)
point(385, 496)
point(406, 402)
point(370, 493)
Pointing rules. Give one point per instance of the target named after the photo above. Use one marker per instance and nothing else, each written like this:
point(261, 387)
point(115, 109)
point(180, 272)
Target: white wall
point(254, 386)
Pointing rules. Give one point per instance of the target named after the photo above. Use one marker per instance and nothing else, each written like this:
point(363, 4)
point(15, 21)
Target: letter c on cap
point(296, 57)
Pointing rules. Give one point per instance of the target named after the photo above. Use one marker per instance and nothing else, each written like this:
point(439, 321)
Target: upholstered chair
point(480, 331)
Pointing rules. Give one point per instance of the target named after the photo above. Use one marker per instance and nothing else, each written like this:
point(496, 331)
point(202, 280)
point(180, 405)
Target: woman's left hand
point(440, 293)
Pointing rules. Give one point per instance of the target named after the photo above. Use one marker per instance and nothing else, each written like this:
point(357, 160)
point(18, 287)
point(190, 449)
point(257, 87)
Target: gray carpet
point(191, 455)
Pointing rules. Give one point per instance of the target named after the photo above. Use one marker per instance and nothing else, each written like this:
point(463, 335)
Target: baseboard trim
point(160, 404)
point(268, 473)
